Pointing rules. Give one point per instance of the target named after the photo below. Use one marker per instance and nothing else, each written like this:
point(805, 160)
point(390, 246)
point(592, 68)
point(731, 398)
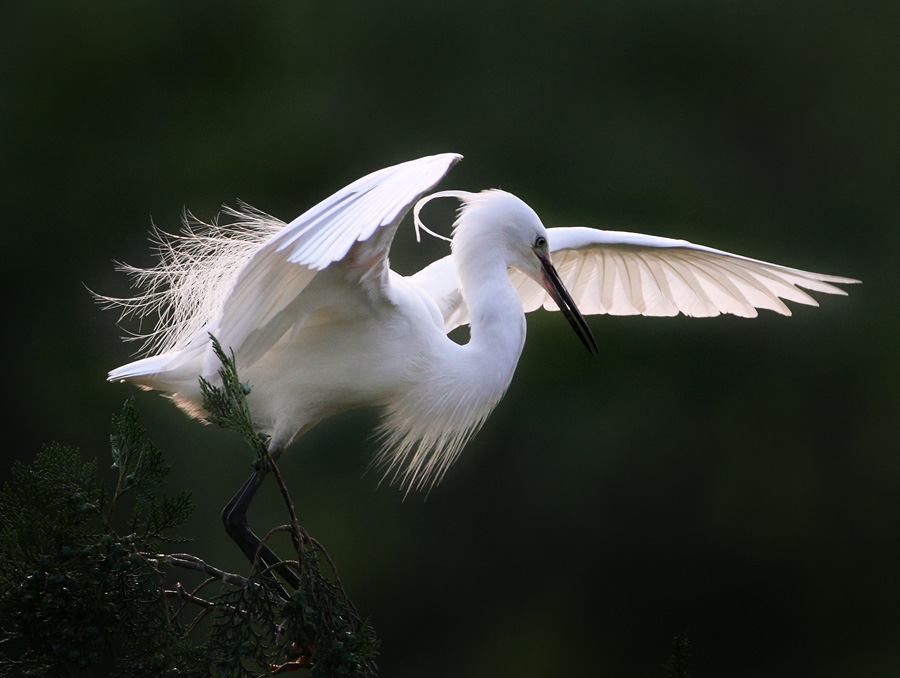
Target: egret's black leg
point(234, 516)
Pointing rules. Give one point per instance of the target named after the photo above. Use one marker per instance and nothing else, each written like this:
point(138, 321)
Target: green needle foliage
point(77, 595)
point(680, 661)
point(226, 406)
point(84, 590)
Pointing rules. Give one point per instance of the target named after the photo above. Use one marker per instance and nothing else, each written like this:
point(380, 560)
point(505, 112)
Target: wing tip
point(839, 279)
point(445, 160)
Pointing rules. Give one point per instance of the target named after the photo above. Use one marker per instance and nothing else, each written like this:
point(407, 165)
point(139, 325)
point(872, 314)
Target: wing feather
point(663, 305)
point(714, 296)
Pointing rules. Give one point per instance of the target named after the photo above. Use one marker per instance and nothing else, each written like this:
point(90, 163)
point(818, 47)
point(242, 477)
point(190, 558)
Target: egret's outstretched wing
point(632, 274)
point(354, 226)
point(623, 273)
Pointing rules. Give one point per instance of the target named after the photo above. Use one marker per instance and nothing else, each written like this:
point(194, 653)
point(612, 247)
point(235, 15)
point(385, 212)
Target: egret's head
point(495, 224)
point(498, 222)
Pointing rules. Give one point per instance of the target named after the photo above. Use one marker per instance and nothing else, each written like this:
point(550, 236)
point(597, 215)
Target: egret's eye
point(540, 243)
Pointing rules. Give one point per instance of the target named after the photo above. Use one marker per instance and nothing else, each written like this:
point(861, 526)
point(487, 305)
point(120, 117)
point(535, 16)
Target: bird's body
point(319, 324)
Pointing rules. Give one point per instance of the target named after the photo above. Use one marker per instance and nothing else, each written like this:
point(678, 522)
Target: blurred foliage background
point(733, 480)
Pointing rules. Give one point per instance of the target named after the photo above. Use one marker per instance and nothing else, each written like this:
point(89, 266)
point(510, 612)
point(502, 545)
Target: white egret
point(318, 323)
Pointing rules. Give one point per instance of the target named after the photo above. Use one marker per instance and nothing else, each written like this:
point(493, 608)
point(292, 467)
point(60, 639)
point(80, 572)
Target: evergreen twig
point(680, 660)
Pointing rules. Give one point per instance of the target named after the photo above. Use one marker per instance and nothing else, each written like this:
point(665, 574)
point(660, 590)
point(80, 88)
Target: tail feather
point(143, 367)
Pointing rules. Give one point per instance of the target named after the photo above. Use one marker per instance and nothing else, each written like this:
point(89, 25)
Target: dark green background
point(736, 480)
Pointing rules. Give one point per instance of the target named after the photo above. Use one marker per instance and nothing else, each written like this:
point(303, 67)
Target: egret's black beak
point(563, 299)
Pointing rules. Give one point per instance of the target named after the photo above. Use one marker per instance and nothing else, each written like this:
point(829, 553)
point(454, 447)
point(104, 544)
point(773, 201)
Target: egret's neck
point(496, 320)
